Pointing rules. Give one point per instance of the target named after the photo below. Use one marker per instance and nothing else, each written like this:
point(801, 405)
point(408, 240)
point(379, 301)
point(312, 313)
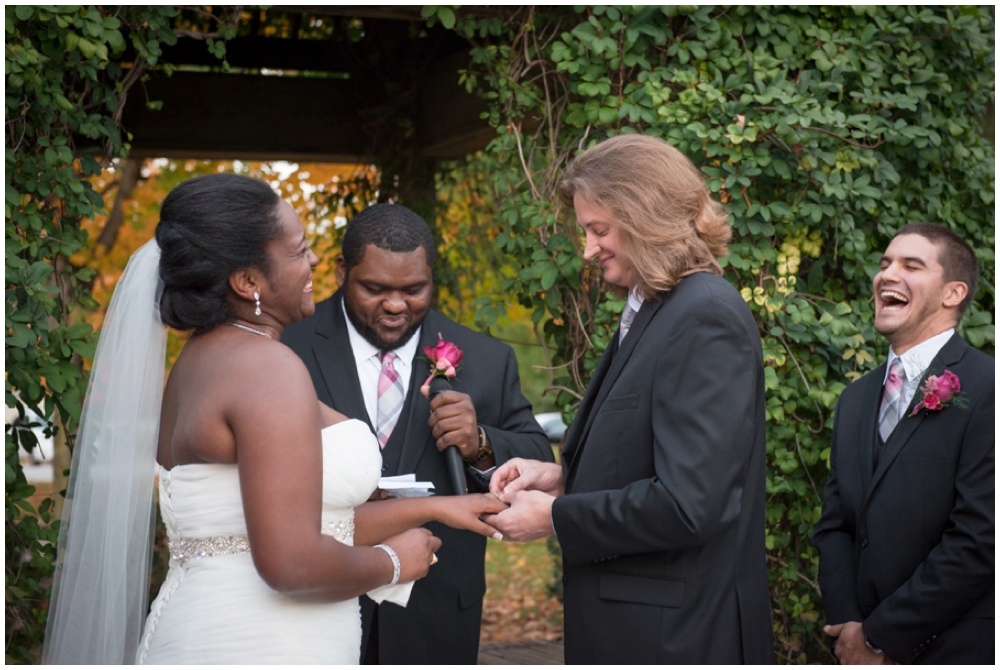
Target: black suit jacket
point(441, 622)
point(907, 547)
point(662, 523)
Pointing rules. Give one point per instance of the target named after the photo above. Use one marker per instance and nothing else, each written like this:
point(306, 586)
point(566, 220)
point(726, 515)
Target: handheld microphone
point(452, 456)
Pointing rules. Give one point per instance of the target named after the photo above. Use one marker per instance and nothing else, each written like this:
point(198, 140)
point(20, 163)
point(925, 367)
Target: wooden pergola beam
point(334, 99)
point(212, 115)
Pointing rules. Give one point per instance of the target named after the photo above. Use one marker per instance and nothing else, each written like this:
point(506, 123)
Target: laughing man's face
point(911, 293)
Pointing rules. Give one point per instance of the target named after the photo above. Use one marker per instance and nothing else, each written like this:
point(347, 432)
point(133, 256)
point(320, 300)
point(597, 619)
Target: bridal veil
point(101, 585)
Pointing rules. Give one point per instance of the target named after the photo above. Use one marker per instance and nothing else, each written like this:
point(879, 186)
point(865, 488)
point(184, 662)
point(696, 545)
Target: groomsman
point(364, 350)
point(659, 504)
point(906, 534)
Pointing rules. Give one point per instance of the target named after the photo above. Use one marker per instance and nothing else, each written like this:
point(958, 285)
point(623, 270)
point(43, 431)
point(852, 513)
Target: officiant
point(659, 504)
point(364, 349)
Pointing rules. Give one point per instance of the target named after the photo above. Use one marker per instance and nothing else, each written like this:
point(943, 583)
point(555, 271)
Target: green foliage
point(65, 89)
point(822, 129)
point(443, 14)
point(57, 93)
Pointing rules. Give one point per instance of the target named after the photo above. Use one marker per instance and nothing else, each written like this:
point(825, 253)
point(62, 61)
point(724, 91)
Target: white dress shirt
point(369, 366)
point(916, 361)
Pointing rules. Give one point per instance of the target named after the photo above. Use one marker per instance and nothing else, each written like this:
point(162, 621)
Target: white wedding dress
point(213, 606)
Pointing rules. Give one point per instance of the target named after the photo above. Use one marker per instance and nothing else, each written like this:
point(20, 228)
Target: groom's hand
point(851, 649)
point(522, 474)
point(453, 423)
point(528, 518)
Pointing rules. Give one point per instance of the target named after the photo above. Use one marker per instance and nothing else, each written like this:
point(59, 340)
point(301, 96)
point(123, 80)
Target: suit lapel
point(336, 362)
point(617, 362)
point(950, 354)
point(583, 412)
point(868, 418)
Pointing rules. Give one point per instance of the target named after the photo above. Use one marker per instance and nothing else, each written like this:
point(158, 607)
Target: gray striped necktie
point(628, 316)
point(892, 399)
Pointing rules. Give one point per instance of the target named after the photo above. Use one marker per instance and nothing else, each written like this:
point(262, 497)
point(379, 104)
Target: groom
point(364, 350)
point(659, 504)
point(906, 536)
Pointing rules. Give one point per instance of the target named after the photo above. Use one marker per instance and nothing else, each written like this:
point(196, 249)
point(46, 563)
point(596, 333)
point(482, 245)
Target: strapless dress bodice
point(213, 607)
point(204, 500)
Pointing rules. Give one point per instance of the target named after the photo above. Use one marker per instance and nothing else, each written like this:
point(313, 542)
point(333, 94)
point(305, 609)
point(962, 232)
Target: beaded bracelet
point(395, 562)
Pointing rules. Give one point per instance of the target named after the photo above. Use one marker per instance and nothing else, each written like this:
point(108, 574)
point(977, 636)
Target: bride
point(261, 488)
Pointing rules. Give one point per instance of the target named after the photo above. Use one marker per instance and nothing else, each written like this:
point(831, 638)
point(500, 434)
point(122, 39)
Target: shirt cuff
point(482, 477)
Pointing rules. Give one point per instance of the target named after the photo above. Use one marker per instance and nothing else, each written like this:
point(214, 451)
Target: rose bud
point(948, 385)
point(931, 401)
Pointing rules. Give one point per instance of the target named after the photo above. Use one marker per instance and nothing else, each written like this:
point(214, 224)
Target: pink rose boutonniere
point(444, 358)
point(939, 391)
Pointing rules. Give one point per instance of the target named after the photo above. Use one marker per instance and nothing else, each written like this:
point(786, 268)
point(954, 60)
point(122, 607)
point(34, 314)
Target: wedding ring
point(434, 559)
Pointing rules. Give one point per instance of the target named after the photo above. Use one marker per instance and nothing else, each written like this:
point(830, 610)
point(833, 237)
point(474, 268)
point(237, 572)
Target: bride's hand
point(415, 549)
point(464, 512)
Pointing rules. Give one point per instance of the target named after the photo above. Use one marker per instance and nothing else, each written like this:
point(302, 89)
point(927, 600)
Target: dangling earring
point(256, 296)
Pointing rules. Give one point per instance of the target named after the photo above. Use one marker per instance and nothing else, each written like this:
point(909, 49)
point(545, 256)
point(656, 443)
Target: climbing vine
point(69, 71)
point(821, 129)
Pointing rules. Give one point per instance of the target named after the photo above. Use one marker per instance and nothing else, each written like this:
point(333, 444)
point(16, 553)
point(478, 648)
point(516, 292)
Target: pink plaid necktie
point(390, 399)
point(892, 399)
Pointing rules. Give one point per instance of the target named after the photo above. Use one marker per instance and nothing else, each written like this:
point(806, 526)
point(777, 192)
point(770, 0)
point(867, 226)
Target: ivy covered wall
point(65, 90)
point(822, 129)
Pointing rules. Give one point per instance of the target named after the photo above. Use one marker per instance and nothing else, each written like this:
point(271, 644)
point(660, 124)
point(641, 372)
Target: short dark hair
point(210, 227)
point(390, 227)
point(954, 254)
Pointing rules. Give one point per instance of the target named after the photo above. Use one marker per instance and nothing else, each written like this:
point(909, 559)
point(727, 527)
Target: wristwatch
point(485, 448)
point(868, 643)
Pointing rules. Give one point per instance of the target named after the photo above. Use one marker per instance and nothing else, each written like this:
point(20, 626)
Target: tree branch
point(814, 585)
point(843, 139)
point(798, 448)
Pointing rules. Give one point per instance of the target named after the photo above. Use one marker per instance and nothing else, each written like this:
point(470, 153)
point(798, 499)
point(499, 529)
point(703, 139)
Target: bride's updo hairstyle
point(209, 228)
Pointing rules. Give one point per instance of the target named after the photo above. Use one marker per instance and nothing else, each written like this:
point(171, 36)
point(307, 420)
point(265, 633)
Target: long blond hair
point(670, 227)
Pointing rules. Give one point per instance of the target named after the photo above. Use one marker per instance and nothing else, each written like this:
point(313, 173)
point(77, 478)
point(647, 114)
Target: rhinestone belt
point(184, 549)
point(341, 530)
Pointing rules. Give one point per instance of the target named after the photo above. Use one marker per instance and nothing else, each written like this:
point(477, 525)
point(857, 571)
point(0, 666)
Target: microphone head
point(439, 384)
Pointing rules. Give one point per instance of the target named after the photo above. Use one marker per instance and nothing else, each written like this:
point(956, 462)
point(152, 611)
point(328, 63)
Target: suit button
point(565, 579)
point(385, 467)
point(864, 543)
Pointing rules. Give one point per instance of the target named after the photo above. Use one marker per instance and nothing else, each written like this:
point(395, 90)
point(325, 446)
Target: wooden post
point(417, 189)
point(61, 459)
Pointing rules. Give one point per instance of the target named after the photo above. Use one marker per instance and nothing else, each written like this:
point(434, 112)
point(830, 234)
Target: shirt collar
point(363, 349)
point(919, 358)
point(634, 299)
